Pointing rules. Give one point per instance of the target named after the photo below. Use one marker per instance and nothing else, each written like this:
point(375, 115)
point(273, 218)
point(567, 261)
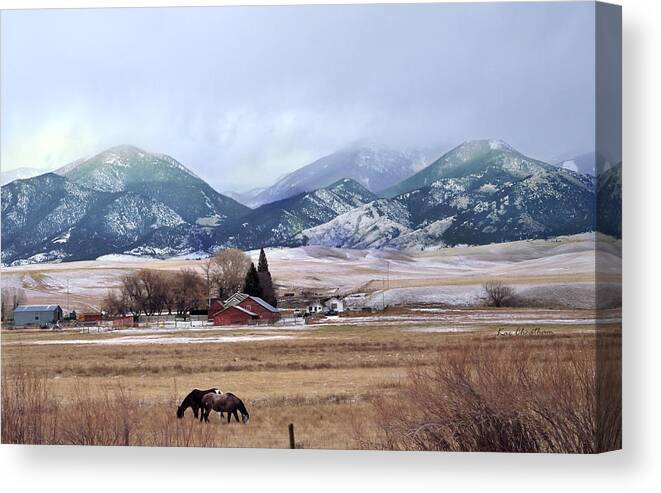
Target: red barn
point(215, 307)
point(254, 304)
point(250, 308)
point(233, 315)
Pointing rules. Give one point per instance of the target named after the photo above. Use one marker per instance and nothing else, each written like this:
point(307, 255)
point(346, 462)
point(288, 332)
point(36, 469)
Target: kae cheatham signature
point(523, 332)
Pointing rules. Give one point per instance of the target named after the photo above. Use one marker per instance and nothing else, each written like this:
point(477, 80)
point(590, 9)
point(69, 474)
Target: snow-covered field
point(154, 339)
point(410, 321)
point(561, 269)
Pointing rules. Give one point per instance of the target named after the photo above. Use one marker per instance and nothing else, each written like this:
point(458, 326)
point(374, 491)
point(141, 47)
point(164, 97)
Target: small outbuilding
point(334, 305)
point(90, 317)
point(37, 314)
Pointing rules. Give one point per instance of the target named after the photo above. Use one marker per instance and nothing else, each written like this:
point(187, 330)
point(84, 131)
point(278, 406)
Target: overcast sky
point(242, 95)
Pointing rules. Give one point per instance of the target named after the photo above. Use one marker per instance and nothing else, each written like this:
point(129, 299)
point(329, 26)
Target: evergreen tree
point(263, 265)
point(251, 286)
point(265, 280)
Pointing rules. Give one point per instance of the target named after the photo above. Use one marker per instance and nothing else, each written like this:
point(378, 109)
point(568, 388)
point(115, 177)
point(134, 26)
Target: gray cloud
point(267, 89)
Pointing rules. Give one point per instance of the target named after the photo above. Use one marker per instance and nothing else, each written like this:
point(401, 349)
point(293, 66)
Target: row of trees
point(151, 292)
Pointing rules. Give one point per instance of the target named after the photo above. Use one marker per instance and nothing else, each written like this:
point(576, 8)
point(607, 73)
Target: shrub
point(497, 294)
point(504, 400)
point(31, 416)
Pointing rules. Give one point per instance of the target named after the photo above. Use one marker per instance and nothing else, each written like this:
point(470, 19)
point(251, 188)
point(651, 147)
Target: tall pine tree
point(251, 285)
point(265, 280)
point(263, 264)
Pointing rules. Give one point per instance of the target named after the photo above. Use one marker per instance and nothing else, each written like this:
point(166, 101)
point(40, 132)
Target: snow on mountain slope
point(38, 208)
point(372, 225)
point(469, 158)
point(279, 223)
point(481, 192)
point(114, 169)
point(158, 176)
point(373, 167)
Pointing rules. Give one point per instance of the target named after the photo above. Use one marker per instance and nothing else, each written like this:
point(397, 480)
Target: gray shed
point(37, 314)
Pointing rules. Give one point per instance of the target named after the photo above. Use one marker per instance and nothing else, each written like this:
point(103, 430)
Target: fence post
point(292, 441)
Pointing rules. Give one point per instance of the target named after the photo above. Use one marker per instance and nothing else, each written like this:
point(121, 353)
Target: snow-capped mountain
point(480, 192)
point(118, 168)
point(279, 223)
point(19, 174)
point(40, 209)
point(51, 218)
point(462, 160)
point(373, 167)
point(158, 176)
point(121, 200)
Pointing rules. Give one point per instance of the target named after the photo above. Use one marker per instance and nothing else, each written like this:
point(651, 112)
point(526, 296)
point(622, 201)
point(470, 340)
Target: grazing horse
point(194, 401)
point(228, 403)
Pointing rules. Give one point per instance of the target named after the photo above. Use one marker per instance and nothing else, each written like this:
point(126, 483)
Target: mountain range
point(280, 222)
point(127, 200)
point(480, 192)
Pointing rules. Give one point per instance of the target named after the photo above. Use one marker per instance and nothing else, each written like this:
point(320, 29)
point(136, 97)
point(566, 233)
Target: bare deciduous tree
point(151, 292)
point(144, 292)
point(207, 271)
point(228, 271)
point(115, 303)
point(11, 298)
point(188, 291)
point(497, 293)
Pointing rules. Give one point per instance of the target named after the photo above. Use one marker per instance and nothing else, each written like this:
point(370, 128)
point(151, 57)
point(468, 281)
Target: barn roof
point(235, 307)
point(36, 308)
point(266, 305)
point(237, 298)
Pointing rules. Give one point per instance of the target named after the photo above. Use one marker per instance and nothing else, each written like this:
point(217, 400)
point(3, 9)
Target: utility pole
point(388, 264)
point(386, 285)
point(68, 305)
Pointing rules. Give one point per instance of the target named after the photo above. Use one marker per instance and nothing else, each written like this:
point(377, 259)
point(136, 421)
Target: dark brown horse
point(228, 403)
point(194, 401)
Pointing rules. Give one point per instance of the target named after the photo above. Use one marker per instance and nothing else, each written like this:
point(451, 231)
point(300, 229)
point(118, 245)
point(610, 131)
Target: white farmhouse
point(314, 308)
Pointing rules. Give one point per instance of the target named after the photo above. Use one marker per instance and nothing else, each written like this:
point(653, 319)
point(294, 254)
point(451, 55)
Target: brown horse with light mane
point(228, 403)
point(194, 401)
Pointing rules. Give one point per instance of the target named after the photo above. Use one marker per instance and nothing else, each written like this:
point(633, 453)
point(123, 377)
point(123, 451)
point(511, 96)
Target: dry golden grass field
point(351, 382)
